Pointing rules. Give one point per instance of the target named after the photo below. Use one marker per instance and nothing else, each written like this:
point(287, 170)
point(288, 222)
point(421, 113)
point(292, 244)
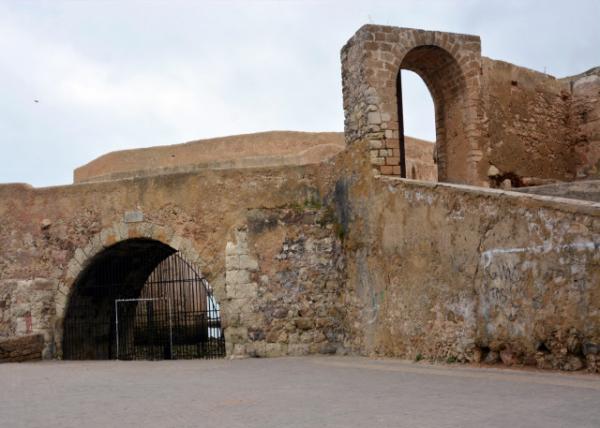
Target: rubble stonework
point(22, 348)
point(584, 119)
point(450, 66)
point(464, 274)
point(529, 126)
point(331, 257)
point(284, 278)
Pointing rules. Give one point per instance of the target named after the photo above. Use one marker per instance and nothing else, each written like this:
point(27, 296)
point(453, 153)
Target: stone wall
point(450, 66)
point(529, 137)
point(584, 119)
point(541, 129)
point(587, 190)
point(420, 159)
point(262, 149)
point(48, 235)
point(23, 348)
point(329, 258)
point(497, 124)
point(259, 150)
point(458, 273)
point(284, 278)
point(26, 307)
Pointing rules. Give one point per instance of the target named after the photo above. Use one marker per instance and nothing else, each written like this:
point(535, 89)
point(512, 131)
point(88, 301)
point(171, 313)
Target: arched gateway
point(450, 66)
point(140, 299)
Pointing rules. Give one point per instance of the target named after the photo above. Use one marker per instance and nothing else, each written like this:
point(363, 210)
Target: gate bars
point(172, 314)
point(137, 301)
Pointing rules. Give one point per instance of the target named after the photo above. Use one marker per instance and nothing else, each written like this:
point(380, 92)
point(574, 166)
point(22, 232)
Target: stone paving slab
point(291, 392)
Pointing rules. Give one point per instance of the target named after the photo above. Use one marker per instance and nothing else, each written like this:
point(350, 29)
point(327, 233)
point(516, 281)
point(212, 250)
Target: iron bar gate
point(119, 314)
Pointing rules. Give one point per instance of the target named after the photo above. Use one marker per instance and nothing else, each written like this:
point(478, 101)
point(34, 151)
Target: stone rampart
point(460, 273)
point(497, 124)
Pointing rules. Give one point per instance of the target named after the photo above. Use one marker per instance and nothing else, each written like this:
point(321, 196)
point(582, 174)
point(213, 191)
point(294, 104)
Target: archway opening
point(140, 299)
point(445, 81)
point(418, 117)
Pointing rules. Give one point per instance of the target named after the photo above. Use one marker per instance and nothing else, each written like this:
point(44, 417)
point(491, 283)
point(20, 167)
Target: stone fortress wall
point(330, 257)
point(262, 149)
point(495, 121)
point(462, 273)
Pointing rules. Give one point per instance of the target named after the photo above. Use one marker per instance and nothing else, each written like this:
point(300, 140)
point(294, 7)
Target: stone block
point(121, 231)
point(304, 323)
point(23, 348)
point(298, 349)
point(110, 236)
point(375, 144)
point(377, 161)
point(373, 118)
point(237, 306)
point(247, 262)
point(236, 334)
point(256, 349)
point(327, 349)
point(133, 216)
point(234, 277)
point(80, 256)
point(72, 271)
point(176, 242)
point(243, 291)
point(239, 350)
point(386, 169)
point(232, 262)
point(276, 349)
point(93, 247)
point(493, 171)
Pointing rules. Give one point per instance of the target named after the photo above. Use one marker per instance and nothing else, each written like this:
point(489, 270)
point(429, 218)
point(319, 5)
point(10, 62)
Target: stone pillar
point(240, 293)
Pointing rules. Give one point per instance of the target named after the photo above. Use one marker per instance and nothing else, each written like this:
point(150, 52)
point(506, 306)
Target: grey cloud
point(115, 75)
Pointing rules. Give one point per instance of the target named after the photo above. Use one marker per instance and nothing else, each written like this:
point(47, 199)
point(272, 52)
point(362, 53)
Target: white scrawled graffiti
point(488, 255)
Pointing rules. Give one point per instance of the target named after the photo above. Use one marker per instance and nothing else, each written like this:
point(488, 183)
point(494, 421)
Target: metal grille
point(170, 315)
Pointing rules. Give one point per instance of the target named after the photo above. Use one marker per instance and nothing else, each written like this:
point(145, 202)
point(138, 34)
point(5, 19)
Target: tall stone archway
point(450, 66)
point(446, 83)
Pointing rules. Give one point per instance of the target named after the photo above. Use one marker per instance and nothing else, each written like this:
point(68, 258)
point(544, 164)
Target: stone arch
point(106, 238)
point(445, 80)
point(450, 65)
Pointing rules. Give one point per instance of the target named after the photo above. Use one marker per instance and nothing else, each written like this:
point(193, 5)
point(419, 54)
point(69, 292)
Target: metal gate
point(172, 315)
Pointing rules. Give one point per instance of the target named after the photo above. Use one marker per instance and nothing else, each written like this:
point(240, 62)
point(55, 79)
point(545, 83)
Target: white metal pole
point(170, 329)
point(117, 326)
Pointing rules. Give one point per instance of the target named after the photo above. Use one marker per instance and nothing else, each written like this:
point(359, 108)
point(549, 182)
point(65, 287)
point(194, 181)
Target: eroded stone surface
point(339, 257)
point(525, 126)
point(22, 348)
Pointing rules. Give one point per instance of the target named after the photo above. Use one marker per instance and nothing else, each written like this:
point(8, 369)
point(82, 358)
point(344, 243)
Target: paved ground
point(291, 392)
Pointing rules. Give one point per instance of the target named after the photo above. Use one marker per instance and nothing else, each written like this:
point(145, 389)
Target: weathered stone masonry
point(448, 63)
point(283, 276)
point(457, 273)
point(291, 264)
point(494, 121)
point(342, 257)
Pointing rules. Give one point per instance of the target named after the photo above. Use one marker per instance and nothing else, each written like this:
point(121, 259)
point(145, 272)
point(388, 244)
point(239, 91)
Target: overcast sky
point(124, 74)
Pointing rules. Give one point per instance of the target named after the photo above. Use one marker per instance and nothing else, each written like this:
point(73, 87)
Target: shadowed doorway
point(139, 299)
